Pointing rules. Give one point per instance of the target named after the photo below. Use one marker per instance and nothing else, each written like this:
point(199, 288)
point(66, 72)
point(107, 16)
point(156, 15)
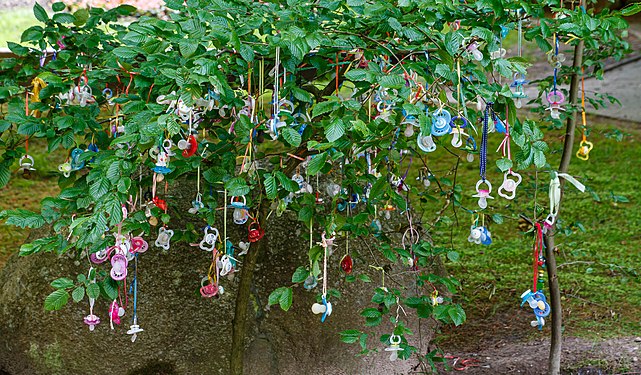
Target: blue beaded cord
point(134, 286)
point(483, 150)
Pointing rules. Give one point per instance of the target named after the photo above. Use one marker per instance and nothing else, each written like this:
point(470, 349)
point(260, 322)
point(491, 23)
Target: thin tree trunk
point(242, 300)
point(554, 360)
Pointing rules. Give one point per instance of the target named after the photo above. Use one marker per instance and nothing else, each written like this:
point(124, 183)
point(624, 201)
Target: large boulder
point(185, 333)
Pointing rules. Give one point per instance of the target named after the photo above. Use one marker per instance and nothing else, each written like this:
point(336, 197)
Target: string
point(583, 104)
point(505, 144)
point(483, 149)
point(538, 249)
point(556, 53)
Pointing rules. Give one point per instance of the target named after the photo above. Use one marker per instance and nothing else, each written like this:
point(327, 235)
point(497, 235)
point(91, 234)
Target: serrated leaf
point(291, 136)
point(539, 158)
point(316, 163)
point(93, 290)
point(99, 188)
point(323, 107)
point(457, 314)
point(23, 218)
point(453, 256)
point(63, 18)
point(62, 283)
point(56, 300)
point(504, 164)
point(58, 7)
point(78, 294)
point(110, 288)
point(40, 13)
point(335, 130)
point(124, 52)
point(392, 81)
point(237, 187)
point(187, 47)
point(497, 218)
point(247, 53)
point(286, 299)
point(358, 75)
point(286, 182)
point(271, 190)
point(371, 313)
point(300, 274)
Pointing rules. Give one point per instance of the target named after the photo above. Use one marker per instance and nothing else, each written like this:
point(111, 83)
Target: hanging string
point(583, 120)
point(556, 54)
point(483, 149)
point(537, 249)
point(505, 144)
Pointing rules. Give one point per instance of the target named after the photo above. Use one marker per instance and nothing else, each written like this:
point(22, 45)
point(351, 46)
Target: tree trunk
point(554, 361)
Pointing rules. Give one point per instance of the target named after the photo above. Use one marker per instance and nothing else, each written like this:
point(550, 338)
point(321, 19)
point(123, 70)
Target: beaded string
point(483, 149)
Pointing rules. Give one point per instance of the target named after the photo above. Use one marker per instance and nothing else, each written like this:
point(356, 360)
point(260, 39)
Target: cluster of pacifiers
point(120, 254)
point(74, 163)
point(539, 305)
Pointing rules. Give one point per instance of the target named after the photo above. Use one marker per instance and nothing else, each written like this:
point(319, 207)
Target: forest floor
point(598, 255)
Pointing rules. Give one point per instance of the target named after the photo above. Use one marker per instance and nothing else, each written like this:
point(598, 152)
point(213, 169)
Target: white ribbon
point(555, 194)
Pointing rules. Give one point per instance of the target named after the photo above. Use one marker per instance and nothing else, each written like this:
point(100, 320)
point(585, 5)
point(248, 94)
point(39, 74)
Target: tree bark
point(242, 299)
point(554, 360)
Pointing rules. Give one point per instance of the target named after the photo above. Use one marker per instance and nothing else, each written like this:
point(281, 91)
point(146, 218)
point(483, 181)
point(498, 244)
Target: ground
point(598, 253)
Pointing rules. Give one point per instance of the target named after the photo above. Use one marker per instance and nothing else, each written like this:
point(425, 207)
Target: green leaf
point(300, 274)
point(56, 300)
point(392, 81)
point(62, 283)
point(358, 75)
point(247, 53)
point(23, 218)
point(93, 290)
point(124, 52)
point(63, 18)
point(58, 7)
point(286, 299)
point(316, 163)
point(110, 288)
point(99, 188)
point(41, 14)
point(371, 313)
point(237, 187)
point(78, 294)
point(504, 164)
point(335, 130)
point(286, 182)
point(453, 256)
point(291, 136)
point(631, 9)
point(187, 47)
point(271, 190)
point(457, 314)
point(497, 218)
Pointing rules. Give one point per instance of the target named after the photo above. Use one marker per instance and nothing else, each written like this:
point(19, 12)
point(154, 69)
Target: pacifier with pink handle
point(100, 256)
point(115, 312)
point(483, 194)
point(92, 321)
point(555, 98)
point(508, 188)
point(118, 267)
point(210, 290)
point(138, 245)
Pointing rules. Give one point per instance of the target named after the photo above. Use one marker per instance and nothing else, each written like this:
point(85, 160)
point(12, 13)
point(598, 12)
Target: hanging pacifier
point(539, 305)
point(483, 194)
point(26, 165)
point(256, 233)
point(138, 245)
point(196, 204)
point(310, 282)
point(497, 54)
point(208, 242)
point(164, 236)
point(457, 130)
point(555, 98)
point(119, 264)
point(325, 308)
point(347, 264)
point(473, 49)
point(518, 92)
point(507, 189)
point(395, 347)
point(241, 213)
point(470, 147)
point(583, 152)
point(65, 168)
point(76, 164)
point(425, 143)
point(441, 119)
point(188, 146)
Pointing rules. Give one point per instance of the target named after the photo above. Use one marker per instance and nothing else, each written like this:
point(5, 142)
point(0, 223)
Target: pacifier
point(138, 245)
point(425, 143)
point(92, 321)
point(310, 282)
point(555, 98)
point(134, 330)
point(539, 305)
point(347, 264)
point(457, 131)
point(483, 194)
point(508, 188)
point(225, 265)
point(244, 247)
point(208, 242)
point(75, 163)
point(325, 308)
point(100, 256)
point(475, 235)
point(518, 92)
point(497, 54)
point(395, 342)
point(115, 312)
point(196, 204)
point(333, 189)
point(473, 49)
point(584, 150)
point(188, 146)
point(164, 236)
point(256, 233)
point(118, 267)
point(241, 214)
point(26, 165)
point(209, 290)
point(441, 119)
point(65, 168)
point(556, 60)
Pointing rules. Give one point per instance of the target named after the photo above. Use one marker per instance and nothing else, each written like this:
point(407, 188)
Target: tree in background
point(256, 101)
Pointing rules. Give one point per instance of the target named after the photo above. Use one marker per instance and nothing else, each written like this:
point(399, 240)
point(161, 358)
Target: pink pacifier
point(118, 267)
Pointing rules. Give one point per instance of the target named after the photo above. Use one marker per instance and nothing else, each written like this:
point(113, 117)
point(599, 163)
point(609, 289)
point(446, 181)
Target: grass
point(13, 22)
point(598, 267)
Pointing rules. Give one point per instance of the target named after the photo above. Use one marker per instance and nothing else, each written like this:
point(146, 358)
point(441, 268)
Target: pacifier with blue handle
point(325, 308)
point(539, 305)
point(441, 119)
point(75, 163)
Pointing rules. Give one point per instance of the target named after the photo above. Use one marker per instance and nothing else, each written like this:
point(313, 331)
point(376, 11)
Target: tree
point(253, 97)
